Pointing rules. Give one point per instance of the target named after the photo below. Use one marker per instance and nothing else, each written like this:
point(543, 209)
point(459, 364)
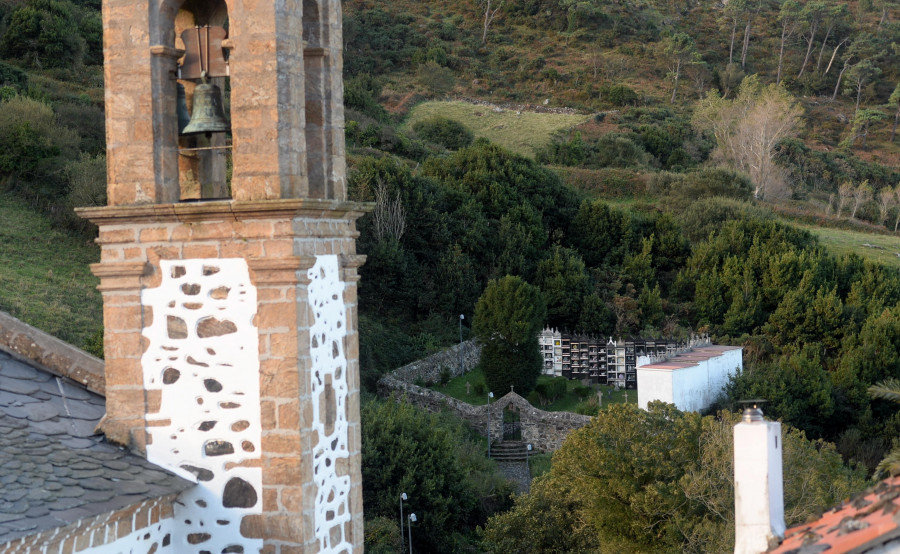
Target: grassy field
point(883, 249)
point(44, 275)
point(520, 132)
point(457, 389)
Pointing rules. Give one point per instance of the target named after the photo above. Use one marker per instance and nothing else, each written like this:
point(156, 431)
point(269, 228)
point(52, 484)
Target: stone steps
point(509, 451)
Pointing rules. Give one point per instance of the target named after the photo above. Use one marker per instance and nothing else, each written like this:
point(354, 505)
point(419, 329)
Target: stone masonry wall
point(545, 430)
point(428, 370)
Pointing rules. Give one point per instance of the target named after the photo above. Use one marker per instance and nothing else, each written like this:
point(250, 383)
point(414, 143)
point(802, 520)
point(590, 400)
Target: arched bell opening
point(203, 103)
point(317, 82)
point(191, 43)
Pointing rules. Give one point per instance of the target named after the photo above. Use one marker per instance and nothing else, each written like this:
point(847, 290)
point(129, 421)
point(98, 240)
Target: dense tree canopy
point(657, 481)
point(450, 486)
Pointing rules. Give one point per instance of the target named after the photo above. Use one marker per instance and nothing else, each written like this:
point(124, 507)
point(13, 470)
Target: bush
point(34, 153)
point(450, 134)
point(438, 80)
point(619, 95)
point(610, 150)
point(361, 93)
point(382, 535)
point(582, 392)
point(12, 76)
point(48, 33)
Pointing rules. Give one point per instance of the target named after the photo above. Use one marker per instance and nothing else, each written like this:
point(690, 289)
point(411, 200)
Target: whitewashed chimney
point(758, 483)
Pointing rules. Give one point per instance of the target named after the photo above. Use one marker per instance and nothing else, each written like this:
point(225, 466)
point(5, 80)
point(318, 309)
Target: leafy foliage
point(444, 131)
point(450, 484)
point(656, 481)
point(508, 317)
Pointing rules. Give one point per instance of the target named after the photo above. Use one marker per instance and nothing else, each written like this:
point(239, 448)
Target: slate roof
point(53, 469)
point(860, 525)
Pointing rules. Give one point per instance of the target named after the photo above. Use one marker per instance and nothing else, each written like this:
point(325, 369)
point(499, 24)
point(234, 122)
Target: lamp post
point(461, 318)
point(412, 519)
point(402, 498)
point(528, 465)
point(490, 395)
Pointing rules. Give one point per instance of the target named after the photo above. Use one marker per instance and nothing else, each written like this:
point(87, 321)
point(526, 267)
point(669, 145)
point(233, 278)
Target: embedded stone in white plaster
point(328, 388)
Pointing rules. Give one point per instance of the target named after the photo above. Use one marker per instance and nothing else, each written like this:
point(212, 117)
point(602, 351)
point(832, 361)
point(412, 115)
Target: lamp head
point(412, 517)
point(402, 496)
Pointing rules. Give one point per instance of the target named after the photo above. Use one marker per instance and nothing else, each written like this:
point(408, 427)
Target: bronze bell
point(208, 115)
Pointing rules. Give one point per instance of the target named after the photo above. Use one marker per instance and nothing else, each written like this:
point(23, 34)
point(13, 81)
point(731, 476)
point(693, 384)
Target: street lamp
point(527, 451)
point(402, 498)
point(490, 395)
point(461, 318)
point(412, 519)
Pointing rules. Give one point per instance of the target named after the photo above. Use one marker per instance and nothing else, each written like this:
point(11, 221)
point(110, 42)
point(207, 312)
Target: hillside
point(638, 168)
point(44, 276)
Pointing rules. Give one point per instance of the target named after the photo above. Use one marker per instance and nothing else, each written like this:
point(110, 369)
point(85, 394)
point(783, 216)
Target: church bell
point(208, 115)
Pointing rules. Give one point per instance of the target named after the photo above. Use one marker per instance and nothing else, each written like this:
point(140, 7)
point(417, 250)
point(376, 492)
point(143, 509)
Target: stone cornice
point(216, 210)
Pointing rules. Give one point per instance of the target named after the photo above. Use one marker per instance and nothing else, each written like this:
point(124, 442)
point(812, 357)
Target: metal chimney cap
point(752, 411)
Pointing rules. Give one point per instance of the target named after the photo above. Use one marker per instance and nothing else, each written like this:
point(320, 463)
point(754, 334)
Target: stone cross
point(626, 397)
point(512, 389)
point(600, 397)
point(468, 388)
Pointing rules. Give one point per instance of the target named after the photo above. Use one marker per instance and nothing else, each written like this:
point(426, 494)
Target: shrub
point(582, 392)
point(361, 93)
point(619, 95)
point(12, 76)
point(35, 150)
point(450, 134)
point(439, 80)
point(382, 535)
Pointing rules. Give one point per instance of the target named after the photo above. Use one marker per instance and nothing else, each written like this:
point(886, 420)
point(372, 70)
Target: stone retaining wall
point(545, 430)
point(428, 370)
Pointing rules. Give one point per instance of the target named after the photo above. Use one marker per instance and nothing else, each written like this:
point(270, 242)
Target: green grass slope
point(520, 131)
point(879, 248)
point(44, 276)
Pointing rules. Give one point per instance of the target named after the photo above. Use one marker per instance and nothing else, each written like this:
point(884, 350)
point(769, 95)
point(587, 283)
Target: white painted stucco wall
point(691, 388)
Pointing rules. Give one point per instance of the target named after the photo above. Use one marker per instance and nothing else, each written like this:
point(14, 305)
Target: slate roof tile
point(53, 469)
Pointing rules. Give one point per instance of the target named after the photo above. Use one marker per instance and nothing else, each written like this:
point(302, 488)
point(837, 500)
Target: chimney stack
point(758, 483)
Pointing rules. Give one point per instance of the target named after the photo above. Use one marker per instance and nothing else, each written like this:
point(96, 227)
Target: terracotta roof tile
point(866, 521)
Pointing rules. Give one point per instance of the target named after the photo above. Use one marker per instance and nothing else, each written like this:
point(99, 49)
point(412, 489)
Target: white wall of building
point(691, 388)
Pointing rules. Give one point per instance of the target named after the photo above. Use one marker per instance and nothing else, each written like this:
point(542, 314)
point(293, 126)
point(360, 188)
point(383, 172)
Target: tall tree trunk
point(822, 49)
point(781, 54)
point(894, 128)
point(746, 44)
point(837, 86)
point(859, 88)
point(834, 54)
point(809, 43)
point(731, 47)
point(677, 75)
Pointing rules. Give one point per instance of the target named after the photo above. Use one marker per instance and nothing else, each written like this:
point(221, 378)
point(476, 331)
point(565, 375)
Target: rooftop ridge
point(54, 355)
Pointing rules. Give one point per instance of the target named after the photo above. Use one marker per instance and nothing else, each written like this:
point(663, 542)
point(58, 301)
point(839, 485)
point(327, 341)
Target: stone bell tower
point(229, 270)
